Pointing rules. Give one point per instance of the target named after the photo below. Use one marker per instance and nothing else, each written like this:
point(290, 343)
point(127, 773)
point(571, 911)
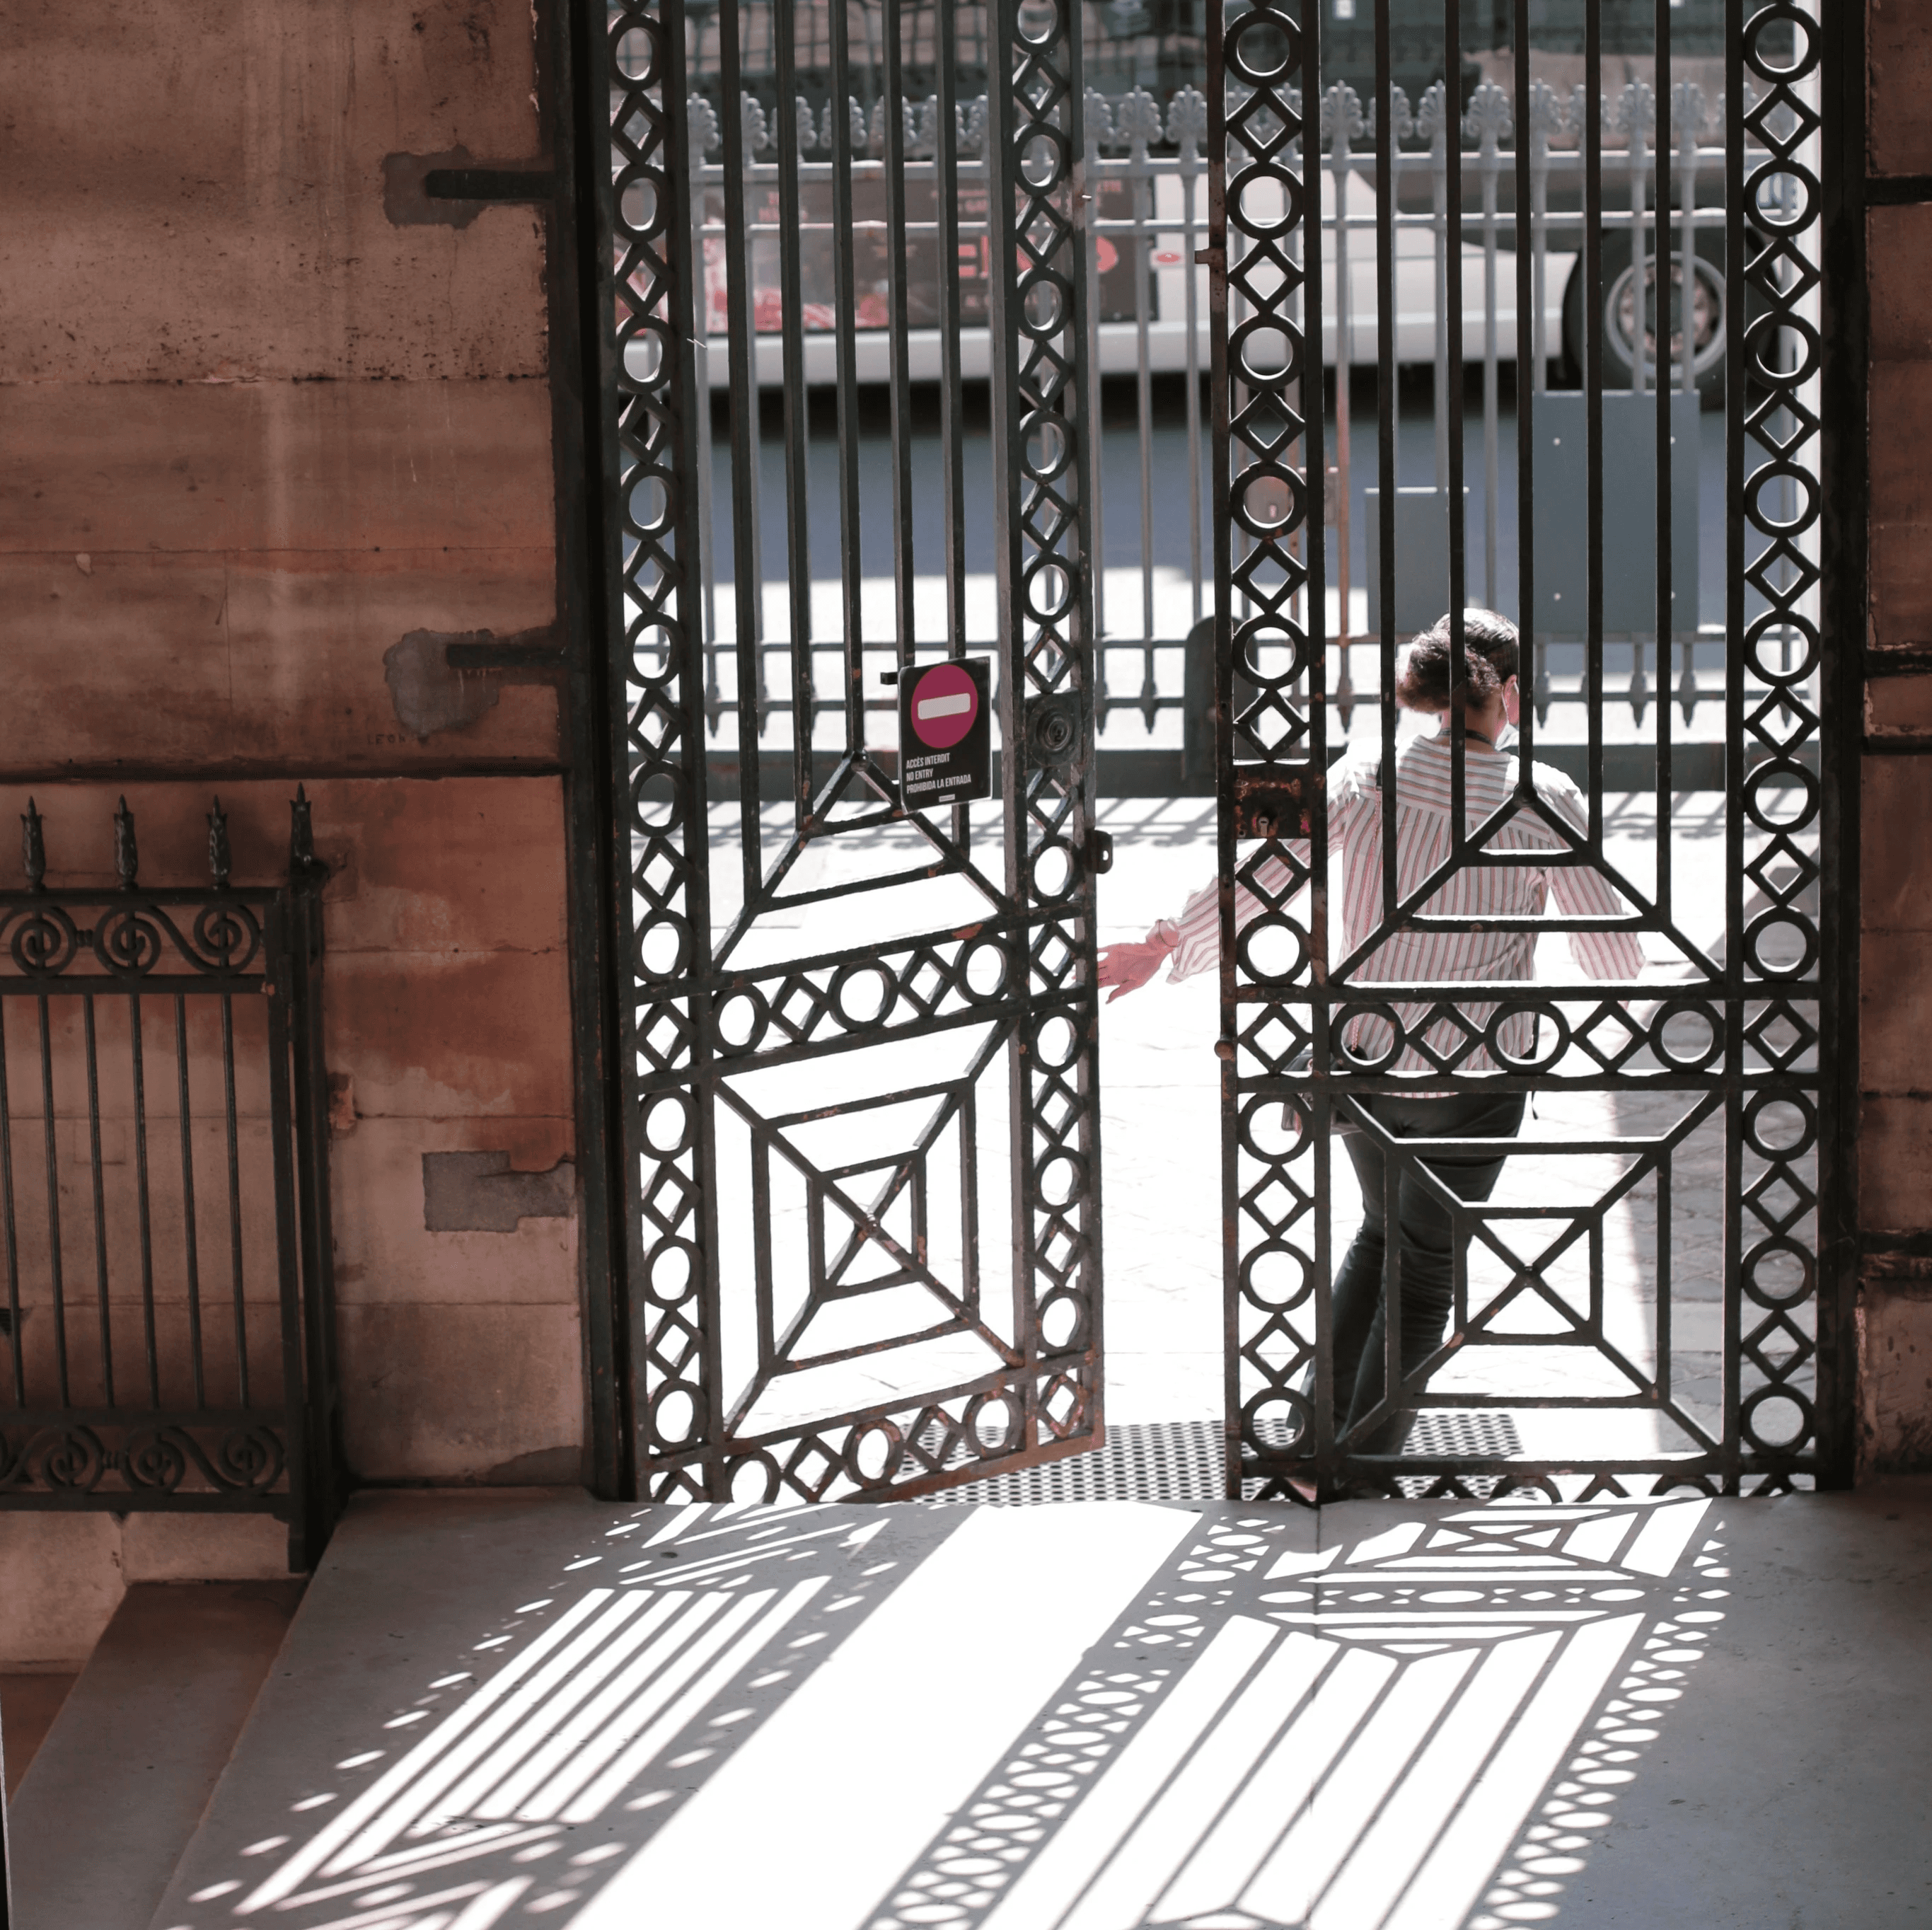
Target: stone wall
point(273, 435)
point(259, 432)
point(1895, 993)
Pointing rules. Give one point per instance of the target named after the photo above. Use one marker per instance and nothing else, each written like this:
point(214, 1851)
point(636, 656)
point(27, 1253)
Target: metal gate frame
point(1272, 758)
point(624, 1389)
point(669, 1060)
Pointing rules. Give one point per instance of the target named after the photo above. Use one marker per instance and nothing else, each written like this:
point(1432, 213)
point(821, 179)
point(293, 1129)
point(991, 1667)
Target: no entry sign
point(946, 733)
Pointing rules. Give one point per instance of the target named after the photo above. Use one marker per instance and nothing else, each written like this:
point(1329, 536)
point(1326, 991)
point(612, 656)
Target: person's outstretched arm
point(1191, 943)
point(1128, 966)
point(1581, 893)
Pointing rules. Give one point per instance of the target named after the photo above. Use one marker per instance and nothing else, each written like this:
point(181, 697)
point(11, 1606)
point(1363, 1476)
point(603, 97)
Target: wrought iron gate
point(860, 1135)
point(1641, 1296)
point(166, 1316)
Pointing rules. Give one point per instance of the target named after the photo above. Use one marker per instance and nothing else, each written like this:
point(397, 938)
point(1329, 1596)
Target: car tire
point(1714, 314)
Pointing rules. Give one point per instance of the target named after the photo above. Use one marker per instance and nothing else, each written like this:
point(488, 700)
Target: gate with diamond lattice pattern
point(1641, 1297)
point(860, 1133)
point(849, 325)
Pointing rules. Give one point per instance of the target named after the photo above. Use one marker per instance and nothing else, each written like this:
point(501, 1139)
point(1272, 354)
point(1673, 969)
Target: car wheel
point(1631, 313)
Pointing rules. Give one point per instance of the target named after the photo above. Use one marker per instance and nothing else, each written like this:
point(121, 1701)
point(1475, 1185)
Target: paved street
point(1169, 478)
point(1153, 588)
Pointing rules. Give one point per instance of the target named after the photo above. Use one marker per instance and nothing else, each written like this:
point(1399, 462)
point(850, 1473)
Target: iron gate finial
point(302, 833)
point(33, 847)
point(127, 852)
point(218, 855)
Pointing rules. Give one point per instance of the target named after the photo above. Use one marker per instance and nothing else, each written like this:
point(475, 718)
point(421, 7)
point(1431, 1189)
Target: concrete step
point(28, 1704)
point(115, 1791)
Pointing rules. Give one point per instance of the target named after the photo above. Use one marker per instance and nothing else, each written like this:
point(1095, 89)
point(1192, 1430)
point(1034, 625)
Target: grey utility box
point(1421, 557)
point(1559, 520)
point(1560, 493)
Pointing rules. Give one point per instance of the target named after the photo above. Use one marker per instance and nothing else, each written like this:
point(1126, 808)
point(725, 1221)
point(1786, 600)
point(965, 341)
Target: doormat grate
point(1458, 1433)
point(1180, 1460)
point(1463, 1433)
point(1151, 1460)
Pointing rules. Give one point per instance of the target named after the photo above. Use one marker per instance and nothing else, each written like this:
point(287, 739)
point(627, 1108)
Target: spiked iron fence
point(1145, 169)
point(165, 1337)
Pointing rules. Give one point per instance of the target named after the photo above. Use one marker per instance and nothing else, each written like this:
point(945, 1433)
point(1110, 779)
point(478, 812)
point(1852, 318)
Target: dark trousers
point(1425, 1239)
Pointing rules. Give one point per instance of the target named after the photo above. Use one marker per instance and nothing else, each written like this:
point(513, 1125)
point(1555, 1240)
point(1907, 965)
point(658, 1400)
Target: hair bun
point(1425, 680)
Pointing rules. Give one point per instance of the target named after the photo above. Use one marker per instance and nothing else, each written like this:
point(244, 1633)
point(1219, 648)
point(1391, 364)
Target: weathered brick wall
point(261, 437)
point(257, 432)
point(1895, 993)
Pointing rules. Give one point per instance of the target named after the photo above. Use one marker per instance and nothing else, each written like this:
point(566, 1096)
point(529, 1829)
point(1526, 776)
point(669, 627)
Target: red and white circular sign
point(945, 705)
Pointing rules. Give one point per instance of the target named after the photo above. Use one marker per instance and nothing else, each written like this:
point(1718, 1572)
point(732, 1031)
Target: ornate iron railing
point(165, 1334)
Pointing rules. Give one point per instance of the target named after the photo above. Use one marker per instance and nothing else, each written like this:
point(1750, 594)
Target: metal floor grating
point(1464, 1432)
point(1151, 1460)
point(1180, 1460)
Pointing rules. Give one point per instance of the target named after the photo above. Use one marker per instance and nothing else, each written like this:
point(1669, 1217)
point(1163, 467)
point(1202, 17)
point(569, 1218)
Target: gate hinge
point(1099, 851)
point(1210, 257)
point(444, 680)
point(527, 656)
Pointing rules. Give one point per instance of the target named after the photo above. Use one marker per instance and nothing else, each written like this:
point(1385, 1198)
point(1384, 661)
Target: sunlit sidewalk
point(496, 1711)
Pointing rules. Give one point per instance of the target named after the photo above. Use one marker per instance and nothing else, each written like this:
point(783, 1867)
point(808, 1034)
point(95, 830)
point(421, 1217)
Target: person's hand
point(1127, 967)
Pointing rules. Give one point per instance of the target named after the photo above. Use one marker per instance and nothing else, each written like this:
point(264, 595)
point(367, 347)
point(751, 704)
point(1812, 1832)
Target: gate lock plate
point(1053, 731)
point(1284, 803)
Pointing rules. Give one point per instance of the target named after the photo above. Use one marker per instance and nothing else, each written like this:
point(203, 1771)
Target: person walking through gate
point(1426, 1240)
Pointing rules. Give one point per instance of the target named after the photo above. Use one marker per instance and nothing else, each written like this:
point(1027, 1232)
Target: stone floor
point(120, 1780)
point(498, 1710)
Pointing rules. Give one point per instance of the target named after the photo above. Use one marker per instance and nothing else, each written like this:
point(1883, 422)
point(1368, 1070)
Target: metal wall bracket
point(491, 184)
point(441, 681)
point(451, 189)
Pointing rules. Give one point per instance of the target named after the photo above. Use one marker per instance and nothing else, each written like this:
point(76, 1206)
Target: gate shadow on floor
point(1074, 1717)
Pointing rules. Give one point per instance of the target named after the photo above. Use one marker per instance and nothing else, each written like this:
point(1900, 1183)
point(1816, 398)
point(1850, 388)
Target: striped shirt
point(1420, 799)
